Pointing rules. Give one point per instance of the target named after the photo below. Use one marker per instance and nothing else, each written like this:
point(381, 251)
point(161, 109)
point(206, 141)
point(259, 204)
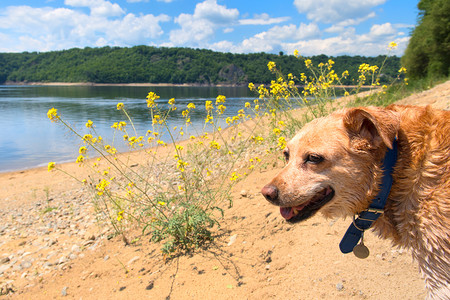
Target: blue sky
point(331, 27)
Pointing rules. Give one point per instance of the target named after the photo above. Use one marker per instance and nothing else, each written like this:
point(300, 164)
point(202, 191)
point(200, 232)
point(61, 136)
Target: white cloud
point(341, 26)
point(47, 28)
point(270, 40)
point(198, 28)
point(382, 30)
point(216, 14)
point(332, 11)
point(98, 7)
point(373, 43)
point(263, 19)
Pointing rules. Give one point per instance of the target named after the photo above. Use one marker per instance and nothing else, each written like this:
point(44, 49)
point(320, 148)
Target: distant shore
point(121, 84)
point(153, 84)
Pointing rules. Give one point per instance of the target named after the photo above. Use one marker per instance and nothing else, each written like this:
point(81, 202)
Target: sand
point(256, 255)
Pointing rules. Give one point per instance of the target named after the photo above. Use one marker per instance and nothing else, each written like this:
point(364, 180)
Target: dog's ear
point(370, 127)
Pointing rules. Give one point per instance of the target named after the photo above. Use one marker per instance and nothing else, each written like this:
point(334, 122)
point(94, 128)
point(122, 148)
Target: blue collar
point(376, 208)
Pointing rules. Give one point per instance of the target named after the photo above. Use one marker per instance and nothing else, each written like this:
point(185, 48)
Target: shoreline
point(135, 84)
point(149, 84)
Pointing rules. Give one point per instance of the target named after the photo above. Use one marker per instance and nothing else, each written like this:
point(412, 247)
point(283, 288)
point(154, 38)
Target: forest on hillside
point(146, 64)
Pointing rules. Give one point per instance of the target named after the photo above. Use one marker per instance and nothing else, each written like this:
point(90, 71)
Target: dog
point(335, 166)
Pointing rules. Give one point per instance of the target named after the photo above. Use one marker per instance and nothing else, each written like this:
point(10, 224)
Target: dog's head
point(333, 164)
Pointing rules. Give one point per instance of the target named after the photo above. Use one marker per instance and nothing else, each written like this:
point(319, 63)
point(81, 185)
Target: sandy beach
point(67, 253)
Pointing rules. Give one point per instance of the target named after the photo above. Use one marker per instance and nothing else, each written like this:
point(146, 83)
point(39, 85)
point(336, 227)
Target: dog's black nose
point(270, 192)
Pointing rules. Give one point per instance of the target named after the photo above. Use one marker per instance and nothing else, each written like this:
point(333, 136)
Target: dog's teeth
point(294, 211)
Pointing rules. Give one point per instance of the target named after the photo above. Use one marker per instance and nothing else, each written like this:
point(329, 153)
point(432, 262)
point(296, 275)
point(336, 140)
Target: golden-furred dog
point(335, 166)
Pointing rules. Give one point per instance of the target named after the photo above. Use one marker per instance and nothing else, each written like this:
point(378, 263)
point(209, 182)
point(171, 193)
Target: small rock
point(106, 257)
point(64, 291)
point(76, 248)
point(339, 286)
point(25, 254)
point(232, 239)
point(149, 286)
point(131, 261)
point(62, 260)
point(267, 267)
point(26, 264)
point(244, 193)
point(4, 260)
point(88, 242)
point(50, 243)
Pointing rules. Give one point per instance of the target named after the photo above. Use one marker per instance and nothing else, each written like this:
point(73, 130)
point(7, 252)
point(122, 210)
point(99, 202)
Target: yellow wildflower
point(171, 101)
point(220, 99)
point(308, 63)
point(221, 109)
point(80, 159)
point(181, 164)
point(296, 53)
point(120, 215)
point(51, 166)
point(208, 105)
point(87, 137)
point(209, 119)
point(281, 142)
point(52, 114)
point(101, 187)
point(156, 119)
point(82, 150)
point(234, 176)
point(89, 124)
point(119, 106)
point(151, 97)
point(392, 45)
point(214, 145)
point(251, 86)
point(271, 65)
point(191, 106)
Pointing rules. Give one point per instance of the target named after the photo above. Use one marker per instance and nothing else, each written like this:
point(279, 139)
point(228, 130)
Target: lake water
point(28, 138)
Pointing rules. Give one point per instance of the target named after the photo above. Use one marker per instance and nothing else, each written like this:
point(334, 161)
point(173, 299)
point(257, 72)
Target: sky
point(313, 27)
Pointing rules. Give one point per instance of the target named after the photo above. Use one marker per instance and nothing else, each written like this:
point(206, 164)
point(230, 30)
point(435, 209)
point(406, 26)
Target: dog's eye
point(314, 159)
point(286, 154)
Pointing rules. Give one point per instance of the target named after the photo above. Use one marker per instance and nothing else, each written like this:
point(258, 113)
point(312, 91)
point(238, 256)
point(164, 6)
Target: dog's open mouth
point(308, 209)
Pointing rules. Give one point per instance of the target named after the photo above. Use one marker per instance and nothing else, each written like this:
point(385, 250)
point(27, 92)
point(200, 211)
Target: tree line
point(428, 51)
point(146, 64)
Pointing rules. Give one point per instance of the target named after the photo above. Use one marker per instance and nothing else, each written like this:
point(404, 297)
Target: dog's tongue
point(287, 212)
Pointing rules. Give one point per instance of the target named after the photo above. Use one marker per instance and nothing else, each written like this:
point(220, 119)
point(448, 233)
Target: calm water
point(29, 139)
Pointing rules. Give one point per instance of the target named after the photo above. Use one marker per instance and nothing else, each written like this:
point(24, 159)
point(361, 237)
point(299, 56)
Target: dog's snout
point(270, 192)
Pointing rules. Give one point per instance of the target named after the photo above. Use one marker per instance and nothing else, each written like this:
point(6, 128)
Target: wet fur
point(353, 143)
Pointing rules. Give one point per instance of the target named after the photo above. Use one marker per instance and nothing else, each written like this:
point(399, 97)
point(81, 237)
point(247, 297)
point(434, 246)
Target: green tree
point(428, 51)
